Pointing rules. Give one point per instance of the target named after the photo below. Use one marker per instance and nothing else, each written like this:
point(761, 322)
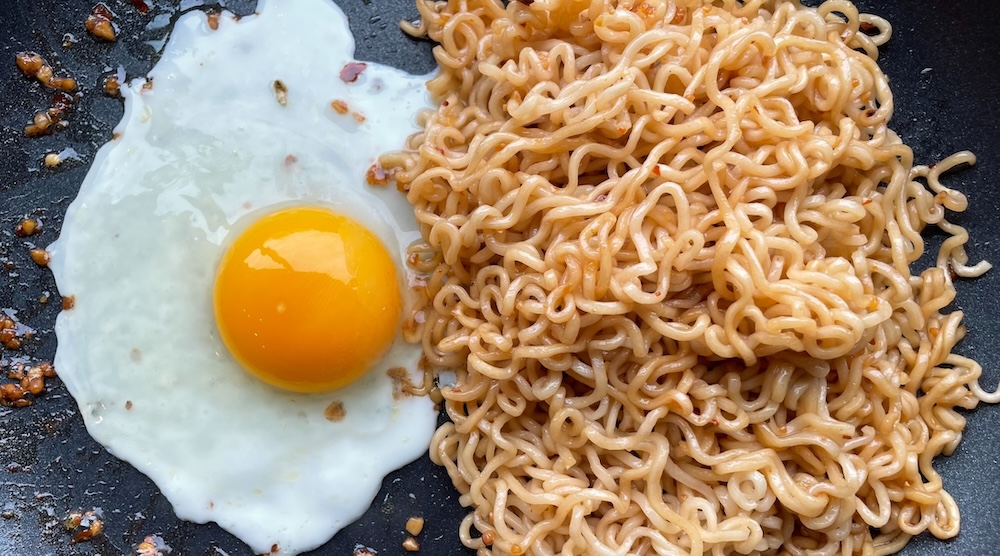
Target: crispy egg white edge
point(94, 357)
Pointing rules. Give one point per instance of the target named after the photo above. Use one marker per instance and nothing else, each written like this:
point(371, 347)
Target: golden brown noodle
point(667, 254)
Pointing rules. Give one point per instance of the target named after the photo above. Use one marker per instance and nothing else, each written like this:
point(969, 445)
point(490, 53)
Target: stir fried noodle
point(667, 251)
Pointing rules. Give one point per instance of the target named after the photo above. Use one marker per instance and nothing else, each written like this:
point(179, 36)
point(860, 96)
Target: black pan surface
point(943, 61)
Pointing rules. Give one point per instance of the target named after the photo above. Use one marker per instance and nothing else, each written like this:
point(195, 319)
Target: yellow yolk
point(307, 300)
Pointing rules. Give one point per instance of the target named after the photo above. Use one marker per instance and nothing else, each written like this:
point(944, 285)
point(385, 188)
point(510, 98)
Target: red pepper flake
point(351, 71)
point(140, 6)
point(377, 175)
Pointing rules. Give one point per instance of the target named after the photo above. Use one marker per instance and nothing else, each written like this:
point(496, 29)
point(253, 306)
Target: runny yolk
point(307, 300)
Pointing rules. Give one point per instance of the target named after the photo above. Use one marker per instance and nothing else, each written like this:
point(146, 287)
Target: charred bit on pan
point(100, 23)
point(351, 70)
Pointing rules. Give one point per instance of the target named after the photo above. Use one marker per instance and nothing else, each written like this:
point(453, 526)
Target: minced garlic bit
point(40, 257)
point(152, 545)
point(86, 524)
point(100, 23)
point(280, 92)
point(33, 65)
point(45, 121)
point(335, 412)
point(339, 107)
point(28, 227)
point(376, 175)
point(414, 525)
point(30, 381)
point(411, 544)
point(112, 86)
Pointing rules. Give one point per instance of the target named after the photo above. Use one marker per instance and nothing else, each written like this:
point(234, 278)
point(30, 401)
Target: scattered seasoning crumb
point(351, 70)
point(101, 23)
point(69, 39)
point(112, 87)
point(414, 525)
point(399, 381)
point(280, 92)
point(28, 227)
point(128, 404)
point(335, 412)
point(339, 107)
point(44, 298)
point(33, 65)
point(488, 538)
point(135, 355)
point(376, 175)
point(68, 302)
point(359, 117)
point(213, 20)
point(86, 525)
point(274, 548)
point(52, 160)
point(7, 514)
point(40, 257)
point(362, 550)
point(411, 544)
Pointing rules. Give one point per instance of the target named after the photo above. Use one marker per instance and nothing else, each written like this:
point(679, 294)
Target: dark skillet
point(943, 61)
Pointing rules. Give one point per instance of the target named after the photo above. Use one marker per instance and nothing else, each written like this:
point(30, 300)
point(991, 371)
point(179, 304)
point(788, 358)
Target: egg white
point(203, 148)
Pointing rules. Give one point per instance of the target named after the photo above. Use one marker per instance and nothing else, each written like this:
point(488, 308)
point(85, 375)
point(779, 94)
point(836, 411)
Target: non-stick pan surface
point(944, 65)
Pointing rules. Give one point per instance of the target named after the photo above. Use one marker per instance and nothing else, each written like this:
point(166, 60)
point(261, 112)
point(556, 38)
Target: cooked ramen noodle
point(667, 252)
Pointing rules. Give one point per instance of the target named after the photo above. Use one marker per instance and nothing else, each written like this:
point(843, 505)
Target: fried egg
point(238, 285)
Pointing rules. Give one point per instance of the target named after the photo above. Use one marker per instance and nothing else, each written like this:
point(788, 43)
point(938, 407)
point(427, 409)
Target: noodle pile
point(667, 251)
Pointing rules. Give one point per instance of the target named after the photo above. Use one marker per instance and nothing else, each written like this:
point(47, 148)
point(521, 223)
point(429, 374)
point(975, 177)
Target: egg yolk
point(307, 299)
